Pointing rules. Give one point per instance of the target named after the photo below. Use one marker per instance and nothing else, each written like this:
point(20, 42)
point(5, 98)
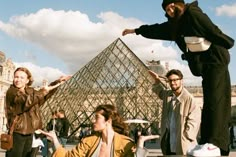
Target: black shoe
point(224, 153)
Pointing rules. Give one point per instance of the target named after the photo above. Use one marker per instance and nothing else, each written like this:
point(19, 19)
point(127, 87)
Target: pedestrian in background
point(54, 124)
point(64, 127)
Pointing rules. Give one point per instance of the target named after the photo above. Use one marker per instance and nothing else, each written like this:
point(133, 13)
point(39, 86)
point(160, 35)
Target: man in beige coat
point(181, 116)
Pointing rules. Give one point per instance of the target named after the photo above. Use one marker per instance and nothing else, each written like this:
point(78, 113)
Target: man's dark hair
point(62, 111)
point(54, 112)
point(175, 72)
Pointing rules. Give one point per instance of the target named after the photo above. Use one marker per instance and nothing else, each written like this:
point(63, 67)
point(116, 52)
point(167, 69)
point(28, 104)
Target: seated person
point(109, 139)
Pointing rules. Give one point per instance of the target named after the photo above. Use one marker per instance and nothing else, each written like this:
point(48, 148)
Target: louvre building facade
point(6, 74)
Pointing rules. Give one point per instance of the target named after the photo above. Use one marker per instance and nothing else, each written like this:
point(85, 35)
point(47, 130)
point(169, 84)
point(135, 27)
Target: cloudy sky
point(56, 37)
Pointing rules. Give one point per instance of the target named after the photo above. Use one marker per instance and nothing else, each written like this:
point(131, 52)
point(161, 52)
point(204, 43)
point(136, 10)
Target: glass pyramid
point(115, 76)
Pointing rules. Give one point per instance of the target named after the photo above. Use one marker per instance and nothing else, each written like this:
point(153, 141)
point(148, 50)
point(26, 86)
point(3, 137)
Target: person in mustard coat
point(108, 141)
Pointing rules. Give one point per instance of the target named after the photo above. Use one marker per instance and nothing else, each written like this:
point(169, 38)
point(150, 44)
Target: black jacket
point(193, 23)
point(64, 127)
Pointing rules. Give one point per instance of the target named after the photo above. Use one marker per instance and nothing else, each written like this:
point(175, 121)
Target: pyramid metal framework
point(115, 76)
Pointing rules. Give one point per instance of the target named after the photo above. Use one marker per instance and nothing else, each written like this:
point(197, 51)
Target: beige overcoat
point(188, 117)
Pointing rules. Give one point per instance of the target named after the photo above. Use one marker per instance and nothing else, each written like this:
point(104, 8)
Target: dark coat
point(57, 126)
point(65, 125)
point(26, 107)
point(193, 23)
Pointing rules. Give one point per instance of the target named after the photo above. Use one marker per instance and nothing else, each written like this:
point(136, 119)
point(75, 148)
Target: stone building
point(6, 75)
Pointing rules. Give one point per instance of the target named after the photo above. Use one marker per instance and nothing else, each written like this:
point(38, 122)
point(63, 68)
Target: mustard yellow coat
point(122, 146)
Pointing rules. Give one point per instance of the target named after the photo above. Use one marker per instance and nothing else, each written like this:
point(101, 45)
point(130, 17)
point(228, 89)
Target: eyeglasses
point(173, 80)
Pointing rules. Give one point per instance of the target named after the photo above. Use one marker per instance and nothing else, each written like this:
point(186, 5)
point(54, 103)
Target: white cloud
point(75, 39)
point(228, 10)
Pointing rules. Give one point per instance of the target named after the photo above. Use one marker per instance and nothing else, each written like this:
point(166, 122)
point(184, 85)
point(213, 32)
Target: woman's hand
point(51, 135)
point(60, 81)
point(48, 88)
point(142, 139)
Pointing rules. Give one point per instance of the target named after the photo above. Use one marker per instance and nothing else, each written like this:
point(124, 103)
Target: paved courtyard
point(152, 153)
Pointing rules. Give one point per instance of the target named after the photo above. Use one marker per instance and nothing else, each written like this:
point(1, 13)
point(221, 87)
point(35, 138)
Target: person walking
point(54, 124)
point(22, 105)
point(181, 116)
point(205, 47)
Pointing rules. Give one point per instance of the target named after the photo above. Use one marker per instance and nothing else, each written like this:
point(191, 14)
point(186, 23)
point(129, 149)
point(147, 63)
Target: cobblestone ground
point(154, 152)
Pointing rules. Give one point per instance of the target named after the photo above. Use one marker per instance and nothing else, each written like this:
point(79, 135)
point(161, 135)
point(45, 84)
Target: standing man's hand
point(155, 76)
point(128, 31)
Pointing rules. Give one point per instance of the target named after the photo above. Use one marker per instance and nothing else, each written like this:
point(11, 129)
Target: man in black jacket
point(54, 124)
point(63, 134)
point(205, 47)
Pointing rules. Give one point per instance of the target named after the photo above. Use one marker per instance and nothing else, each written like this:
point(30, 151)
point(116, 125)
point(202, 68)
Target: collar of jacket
point(117, 146)
point(15, 91)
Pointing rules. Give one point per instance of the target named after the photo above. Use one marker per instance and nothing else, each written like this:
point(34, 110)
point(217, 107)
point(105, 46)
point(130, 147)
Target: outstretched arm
point(50, 89)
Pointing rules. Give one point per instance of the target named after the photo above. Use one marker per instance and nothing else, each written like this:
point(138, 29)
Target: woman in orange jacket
point(109, 139)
